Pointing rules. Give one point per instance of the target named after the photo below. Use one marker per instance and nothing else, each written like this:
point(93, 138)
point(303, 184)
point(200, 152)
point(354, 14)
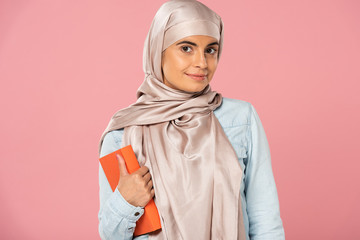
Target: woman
point(205, 158)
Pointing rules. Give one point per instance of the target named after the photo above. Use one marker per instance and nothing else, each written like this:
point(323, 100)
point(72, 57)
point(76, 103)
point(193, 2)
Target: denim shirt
point(259, 200)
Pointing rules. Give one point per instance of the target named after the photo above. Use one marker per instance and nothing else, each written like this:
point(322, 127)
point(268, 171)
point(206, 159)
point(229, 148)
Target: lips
point(198, 77)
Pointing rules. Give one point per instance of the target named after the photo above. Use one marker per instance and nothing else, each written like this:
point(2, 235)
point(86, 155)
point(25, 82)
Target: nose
point(200, 60)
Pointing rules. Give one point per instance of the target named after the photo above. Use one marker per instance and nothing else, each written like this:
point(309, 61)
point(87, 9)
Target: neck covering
point(195, 171)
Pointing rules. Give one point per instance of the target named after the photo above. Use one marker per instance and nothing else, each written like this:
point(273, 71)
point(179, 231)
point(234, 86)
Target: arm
point(117, 218)
point(261, 194)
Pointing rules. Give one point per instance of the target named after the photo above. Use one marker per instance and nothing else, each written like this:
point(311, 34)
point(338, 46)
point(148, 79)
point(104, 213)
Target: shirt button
point(137, 214)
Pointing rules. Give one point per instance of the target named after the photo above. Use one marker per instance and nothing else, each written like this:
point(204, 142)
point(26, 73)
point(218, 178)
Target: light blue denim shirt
point(260, 205)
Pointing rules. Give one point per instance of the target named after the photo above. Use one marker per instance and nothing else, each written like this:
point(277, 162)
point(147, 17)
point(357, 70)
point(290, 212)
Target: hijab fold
point(195, 170)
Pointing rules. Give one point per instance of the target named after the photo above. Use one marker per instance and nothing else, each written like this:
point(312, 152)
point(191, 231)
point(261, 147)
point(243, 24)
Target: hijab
point(195, 171)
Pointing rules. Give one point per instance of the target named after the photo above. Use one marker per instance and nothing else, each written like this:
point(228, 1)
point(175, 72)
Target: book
point(150, 220)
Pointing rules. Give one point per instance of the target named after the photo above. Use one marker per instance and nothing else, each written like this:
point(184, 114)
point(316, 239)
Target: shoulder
point(112, 142)
point(233, 112)
point(114, 136)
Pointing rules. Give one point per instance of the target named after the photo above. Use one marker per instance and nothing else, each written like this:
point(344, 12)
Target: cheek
point(176, 65)
point(213, 64)
point(180, 63)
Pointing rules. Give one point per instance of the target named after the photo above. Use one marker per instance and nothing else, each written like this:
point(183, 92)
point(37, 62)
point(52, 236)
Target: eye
point(211, 50)
point(186, 49)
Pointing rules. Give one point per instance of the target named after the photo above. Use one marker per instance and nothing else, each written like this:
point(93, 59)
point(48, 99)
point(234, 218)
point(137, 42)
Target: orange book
point(150, 220)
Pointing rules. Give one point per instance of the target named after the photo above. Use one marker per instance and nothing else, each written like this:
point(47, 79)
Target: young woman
point(205, 158)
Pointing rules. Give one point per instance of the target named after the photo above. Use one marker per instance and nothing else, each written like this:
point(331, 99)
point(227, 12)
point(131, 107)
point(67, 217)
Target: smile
point(197, 77)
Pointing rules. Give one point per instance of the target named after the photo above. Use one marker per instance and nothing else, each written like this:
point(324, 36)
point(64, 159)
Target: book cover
point(150, 220)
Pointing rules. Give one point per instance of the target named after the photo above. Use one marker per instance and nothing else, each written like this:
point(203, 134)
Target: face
point(190, 63)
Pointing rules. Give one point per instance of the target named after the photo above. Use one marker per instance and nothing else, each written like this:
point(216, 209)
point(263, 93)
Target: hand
point(136, 188)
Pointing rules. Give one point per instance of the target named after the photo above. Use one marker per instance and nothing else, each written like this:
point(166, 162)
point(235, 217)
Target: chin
point(195, 89)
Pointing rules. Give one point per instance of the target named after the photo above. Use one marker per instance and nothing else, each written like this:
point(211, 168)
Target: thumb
point(122, 166)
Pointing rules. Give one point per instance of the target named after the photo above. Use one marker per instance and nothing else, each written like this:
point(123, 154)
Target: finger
point(122, 166)
point(142, 171)
point(147, 177)
point(152, 192)
point(149, 185)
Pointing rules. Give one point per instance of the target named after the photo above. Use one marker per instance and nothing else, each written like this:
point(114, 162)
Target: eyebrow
point(194, 44)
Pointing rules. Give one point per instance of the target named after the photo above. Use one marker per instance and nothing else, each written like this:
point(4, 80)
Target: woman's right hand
point(136, 188)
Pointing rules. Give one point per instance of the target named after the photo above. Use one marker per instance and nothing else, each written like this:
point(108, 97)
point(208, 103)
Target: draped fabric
point(195, 170)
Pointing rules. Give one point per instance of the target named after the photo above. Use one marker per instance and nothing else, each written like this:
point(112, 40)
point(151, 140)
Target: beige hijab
point(195, 170)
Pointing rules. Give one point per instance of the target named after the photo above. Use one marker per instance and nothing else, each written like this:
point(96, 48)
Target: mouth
point(198, 77)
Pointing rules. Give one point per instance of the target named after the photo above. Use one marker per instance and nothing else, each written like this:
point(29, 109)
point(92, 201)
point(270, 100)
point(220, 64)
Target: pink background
point(67, 66)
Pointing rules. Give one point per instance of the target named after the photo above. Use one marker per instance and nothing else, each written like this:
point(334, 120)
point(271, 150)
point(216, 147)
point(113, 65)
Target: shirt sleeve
point(117, 218)
point(261, 194)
